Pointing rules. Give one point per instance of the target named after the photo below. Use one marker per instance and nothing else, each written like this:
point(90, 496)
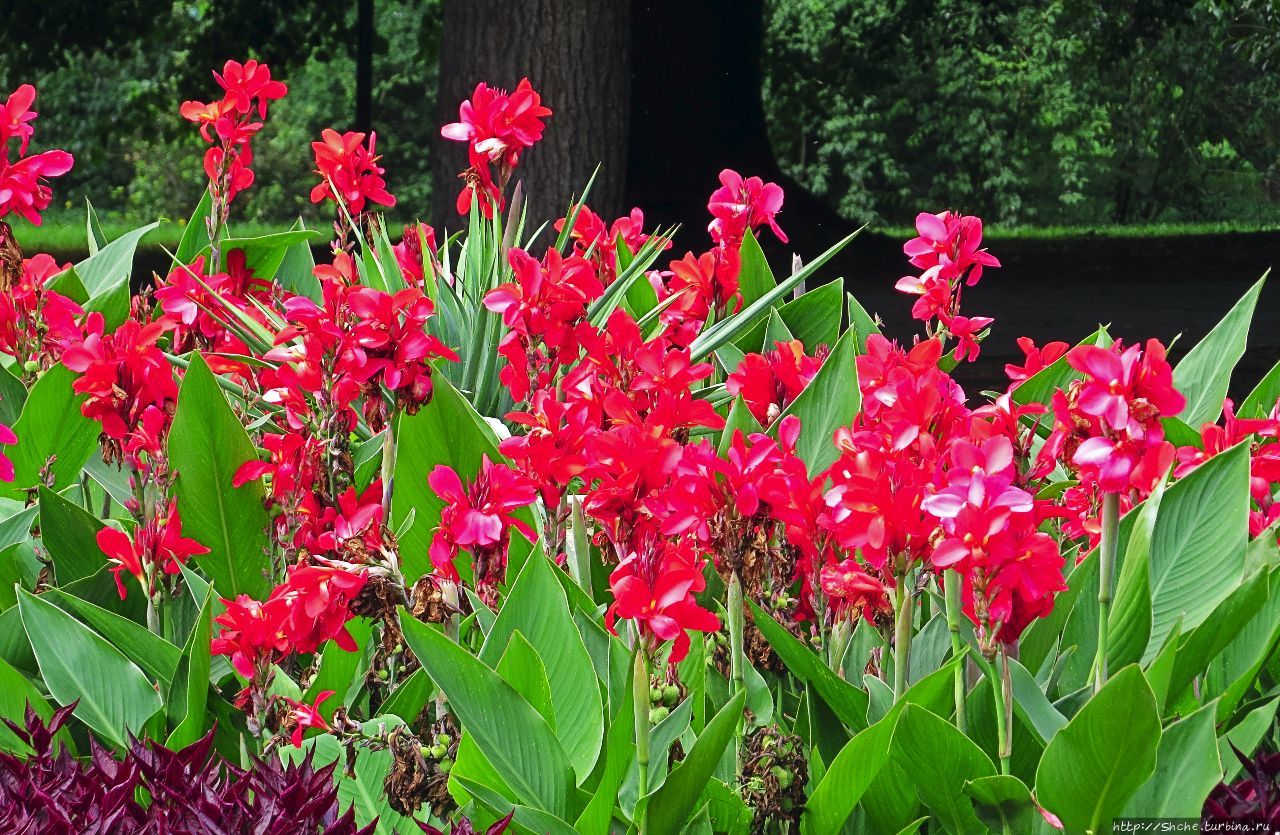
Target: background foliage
point(1064, 112)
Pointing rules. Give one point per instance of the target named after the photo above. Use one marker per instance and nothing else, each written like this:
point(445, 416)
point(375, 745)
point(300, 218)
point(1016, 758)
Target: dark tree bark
point(575, 53)
point(364, 66)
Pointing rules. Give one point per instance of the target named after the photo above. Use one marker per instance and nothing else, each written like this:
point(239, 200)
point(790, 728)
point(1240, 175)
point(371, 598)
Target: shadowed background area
point(1165, 166)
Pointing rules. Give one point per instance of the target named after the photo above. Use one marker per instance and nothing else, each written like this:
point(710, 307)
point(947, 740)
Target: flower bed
point(544, 528)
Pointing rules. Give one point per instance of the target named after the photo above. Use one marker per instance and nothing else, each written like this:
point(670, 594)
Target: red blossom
point(478, 518)
point(303, 716)
point(769, 382)
point(657, 594)
point(156, 545)
point(7, 438)
point(23, 181)
point(349, 172)
point(852, 590)
point(252, 634)
point(1034, 359)
point(740, 205)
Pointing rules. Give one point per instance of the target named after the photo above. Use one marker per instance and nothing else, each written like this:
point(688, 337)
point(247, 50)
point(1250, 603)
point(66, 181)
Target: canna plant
point(535, 525)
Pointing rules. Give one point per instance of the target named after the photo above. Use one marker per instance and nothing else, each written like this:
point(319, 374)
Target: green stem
point(579, 545)
point(388, 486)
point(951, 594)
point(736, 659)
point(1002, 714)
point(903, 611)
point(1106, 566)
point(640, 697)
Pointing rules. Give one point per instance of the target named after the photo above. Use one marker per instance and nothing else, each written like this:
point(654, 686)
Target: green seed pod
point(670, 695)
point(655, 695)
point(31, 366)
point(783, 776)
point(657, 714)
point(445, 766)
point(438, 752)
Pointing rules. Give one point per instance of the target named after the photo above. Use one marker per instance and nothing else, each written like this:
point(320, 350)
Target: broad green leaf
point(525, 820)
point(671, 805)
point(16, 692)
point(296, 271)
point(189, 695)
point(1129, 625)
point(521, 667)
point(619, 753)
point(264, 254)
point(1003, 803)
point(754, 276)
point(114, 697)
point(862, 323)
point(51, 428)
point(1233, 672)
point(1032, 705)
point(1198, 544)
point(156, 657)
point(1094, 765)
point(16, 527)
point(848, 702)
point(941, 760)
point(814, 319)
point(729, 329)
point(1245, 736)
point(856, 766)
point(1204, 374)
point(69, 533)
point(1206, 641)
point(1259, 402)
point(113, 263)
point(206, 446)
point(513, 737)
point(94, 237)
point(1187, 769)
point(410, 696)
point(536, 606)
point(831, 400)
point(12, 396)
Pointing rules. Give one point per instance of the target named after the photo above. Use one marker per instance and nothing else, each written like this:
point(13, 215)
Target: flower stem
point(1002, 705)
point(1106, 566)
point(640, 697)
point(736, 658)
point(388, 487)
point(579, 545)
point(903, 611)
point(951, 594)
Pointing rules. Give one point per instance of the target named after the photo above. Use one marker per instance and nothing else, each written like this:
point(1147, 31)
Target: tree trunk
point(575, 53)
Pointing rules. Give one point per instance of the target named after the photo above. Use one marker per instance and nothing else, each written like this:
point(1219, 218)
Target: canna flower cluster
point(349, 176)
point(229, 124)
point(594, 240)
point(769, 382)
point(1261, 434)
point(497, 127)
point(1107, 424)
point(948, 251)
point(37, 323)
point(24, 188)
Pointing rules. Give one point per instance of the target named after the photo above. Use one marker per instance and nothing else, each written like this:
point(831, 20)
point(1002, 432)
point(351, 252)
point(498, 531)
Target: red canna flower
point(303, 716)
point(478, 518)
point(1107, 425)
point(660, 604)
point(349, 172)
point(157, 545)
point(769, 382)
point(316, 602)
point(702, 285)
point(252, 634)
point(1034, 359)
point(853, 591)
point(497, 126)
point(23, 181)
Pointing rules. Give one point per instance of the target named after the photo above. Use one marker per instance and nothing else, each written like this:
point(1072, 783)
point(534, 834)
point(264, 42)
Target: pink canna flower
point(24, 188)
point(7, 438)
point(1034, 359)
point(497, 127)
point(741, 205)
point(478, 518)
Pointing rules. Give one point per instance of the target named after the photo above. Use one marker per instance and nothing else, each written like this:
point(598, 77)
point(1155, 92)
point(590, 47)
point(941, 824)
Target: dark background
point(1151, 130)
